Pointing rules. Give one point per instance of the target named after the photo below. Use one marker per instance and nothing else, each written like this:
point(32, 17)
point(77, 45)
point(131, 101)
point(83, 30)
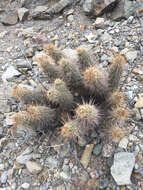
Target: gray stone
point(39, 9)
point(52, 162)
point(25, 156)
point(123, 143)
point(45, 186)
point(88, 6)
point(3, 178)
point(97, 149)
point(22, 13)
point(103, 183)
point(106, 37)
point(10, 19)
point(123, 9)
point(122, 167)
point(10, 73)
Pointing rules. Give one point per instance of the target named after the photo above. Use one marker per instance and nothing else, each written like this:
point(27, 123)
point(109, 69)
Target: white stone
point(25, 185)
point(123, 143)
point(10, 73)
point(22, 13)
point(122, 167)
point(131, 55)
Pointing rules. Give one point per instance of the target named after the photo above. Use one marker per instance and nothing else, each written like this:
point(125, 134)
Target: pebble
point(33, 167)
point(25, 185)
point(97, 149)
point(65, 176)
point(3, 178)
point(123, 143)
point(103, 183)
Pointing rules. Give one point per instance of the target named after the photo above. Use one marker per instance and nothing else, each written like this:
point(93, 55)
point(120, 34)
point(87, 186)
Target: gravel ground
point(45, 162)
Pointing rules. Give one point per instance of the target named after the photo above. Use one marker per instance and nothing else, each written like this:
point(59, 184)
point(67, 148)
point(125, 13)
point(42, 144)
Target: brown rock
point(86, 155)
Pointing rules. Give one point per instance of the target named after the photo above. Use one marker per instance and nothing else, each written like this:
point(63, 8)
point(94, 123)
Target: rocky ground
point(42, 162)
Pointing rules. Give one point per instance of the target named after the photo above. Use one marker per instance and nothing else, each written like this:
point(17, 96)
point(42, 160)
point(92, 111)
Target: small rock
point(1, 166)
point(10, 73)
point(139, 103)
point(107, 150)
point(25, 185)
point(99, 23)
point(133, 138)
point(3, 178)
point(131, 55)
point(97, 149)
point(86, 155)
point(22, 13)
point(52, 162)
point(70, 18)
point(45, 186)
point(10, 19)
point(2, 34)
point(106, 37)
point(122, 167)
point(88, 6)
point(25, 156)
point(33, 167)
point(123, 143)
point(90, 36)
point(29, 52)
point(27, 32)
point(103, 183)
point(9, 121)
point(65, 176)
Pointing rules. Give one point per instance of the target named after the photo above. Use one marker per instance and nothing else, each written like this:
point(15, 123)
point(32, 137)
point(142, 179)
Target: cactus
point(96, 81)
point(36, 116)
point(115, 71)
point(116, 133)
point(60, 95)
point(70, 130)
point(48, 66)
point(84, 58)
point(72, 75)
point(30, 96)
point(54, 52)
point(79, 91)
point(88, 115)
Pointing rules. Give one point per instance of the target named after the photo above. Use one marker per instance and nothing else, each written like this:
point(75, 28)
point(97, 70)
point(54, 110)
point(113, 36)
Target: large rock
point(97, 7)
point(10, 19)
point(122, 167)
point(124, 9)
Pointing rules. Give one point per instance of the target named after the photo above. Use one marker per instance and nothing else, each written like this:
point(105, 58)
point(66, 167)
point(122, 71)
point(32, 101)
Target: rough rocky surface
point(61, 162)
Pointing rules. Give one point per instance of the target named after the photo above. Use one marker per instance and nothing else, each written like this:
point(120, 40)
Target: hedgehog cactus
point(88, 96)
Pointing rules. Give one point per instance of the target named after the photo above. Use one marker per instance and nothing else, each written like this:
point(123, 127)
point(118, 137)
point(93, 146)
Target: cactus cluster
point(80, 99)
